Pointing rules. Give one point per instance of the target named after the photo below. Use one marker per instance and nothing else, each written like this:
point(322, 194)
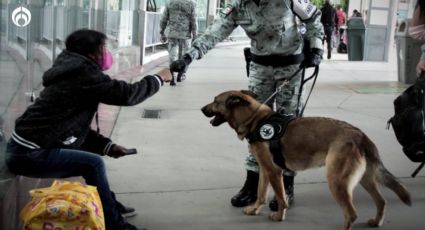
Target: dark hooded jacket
point(73, 88)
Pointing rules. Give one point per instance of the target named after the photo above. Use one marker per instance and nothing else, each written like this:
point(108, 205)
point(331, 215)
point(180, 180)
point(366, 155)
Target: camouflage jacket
point(271, 26)
point(180, 18)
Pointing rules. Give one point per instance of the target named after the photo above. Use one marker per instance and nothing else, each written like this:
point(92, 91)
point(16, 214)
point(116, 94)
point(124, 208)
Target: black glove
point(163, 39)
point(181, 65)
point(313, 58)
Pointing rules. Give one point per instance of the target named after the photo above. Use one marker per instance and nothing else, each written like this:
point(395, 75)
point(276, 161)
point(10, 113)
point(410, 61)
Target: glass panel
point(112, 23)
point(60, 2)
point(48, 2)
point(84, 14)
point(381, 3)
point(13, 66)
point(202, 11)
point(160, 4)
point(46, 22)
point(379, 17)
point(113, 5)
point(3, 19)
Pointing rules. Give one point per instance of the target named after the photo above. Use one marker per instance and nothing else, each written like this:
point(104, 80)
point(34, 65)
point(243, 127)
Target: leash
point(285, 82)
point(418, 169)
point(303, 82)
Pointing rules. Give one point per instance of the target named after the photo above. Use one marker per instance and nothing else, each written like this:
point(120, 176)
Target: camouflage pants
point(263, 81)
point(177, 47)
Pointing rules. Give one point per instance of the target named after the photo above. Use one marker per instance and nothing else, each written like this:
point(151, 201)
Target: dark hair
point(421, 5)
point(86, 42)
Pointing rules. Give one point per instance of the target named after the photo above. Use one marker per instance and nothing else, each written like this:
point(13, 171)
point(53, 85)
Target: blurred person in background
point(342, 19)
point(180, 18)
point(328, 21)
point(417, 31)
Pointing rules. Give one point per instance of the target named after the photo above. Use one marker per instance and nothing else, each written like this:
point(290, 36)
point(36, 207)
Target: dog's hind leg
point(370, 184)
point(343, 174)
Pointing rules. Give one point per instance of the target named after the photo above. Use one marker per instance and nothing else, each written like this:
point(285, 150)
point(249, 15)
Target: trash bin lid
point(403, 28)
point(355, 23)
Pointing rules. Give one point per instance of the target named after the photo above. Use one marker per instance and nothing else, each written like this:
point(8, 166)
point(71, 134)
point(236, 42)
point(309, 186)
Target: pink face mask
point(106, 61)
point(417, 32)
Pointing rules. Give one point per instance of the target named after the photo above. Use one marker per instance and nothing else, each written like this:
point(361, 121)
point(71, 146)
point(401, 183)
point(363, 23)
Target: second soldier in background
point(179, 18)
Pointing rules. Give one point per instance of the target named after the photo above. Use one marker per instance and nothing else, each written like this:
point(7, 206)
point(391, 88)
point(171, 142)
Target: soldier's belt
point(277, 60)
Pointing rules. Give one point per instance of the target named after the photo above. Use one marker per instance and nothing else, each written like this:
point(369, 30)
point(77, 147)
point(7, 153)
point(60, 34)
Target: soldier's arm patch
point(227, 11)
point(303, 9)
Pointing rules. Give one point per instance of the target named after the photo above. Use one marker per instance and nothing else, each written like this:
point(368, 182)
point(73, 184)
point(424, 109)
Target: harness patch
point(267, 131)
point(272, 130)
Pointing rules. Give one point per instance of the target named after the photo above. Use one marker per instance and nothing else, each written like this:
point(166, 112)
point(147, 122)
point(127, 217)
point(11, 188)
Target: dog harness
point(272, 130)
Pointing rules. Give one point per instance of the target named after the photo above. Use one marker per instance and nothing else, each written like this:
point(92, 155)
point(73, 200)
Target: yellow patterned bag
point(64, 205)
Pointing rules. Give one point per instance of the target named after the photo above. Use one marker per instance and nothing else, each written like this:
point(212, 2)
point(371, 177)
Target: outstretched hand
point(165, 74)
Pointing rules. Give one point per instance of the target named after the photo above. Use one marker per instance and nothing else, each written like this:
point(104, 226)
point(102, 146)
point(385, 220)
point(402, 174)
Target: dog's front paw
point(373, 223)
point(251, 210)
point(276, 216)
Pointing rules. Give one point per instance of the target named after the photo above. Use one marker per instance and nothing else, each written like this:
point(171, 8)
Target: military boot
point(181, 77)
point(329, 50)
point(289, 191)
point(248, 193)
point(173, 80)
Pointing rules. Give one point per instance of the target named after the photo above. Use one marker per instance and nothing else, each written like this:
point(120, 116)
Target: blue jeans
point(63, 163)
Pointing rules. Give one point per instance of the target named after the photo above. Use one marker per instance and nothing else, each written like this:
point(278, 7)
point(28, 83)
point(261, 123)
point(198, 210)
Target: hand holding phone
point(131, 151)
point(118, 151)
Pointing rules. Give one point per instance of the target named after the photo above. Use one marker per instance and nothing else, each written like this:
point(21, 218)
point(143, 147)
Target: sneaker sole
point(128, 215)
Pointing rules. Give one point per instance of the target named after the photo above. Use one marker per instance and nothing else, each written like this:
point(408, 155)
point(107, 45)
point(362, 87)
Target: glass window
point(48, 2)
point(113, 5)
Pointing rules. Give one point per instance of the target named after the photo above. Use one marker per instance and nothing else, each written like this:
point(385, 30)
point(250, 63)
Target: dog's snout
point(206, 111)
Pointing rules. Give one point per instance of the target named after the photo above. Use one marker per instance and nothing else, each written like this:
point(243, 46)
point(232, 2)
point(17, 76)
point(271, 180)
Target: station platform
point(186, 171)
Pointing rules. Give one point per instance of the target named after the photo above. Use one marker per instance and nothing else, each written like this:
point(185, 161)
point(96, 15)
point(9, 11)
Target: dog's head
point(239, 109)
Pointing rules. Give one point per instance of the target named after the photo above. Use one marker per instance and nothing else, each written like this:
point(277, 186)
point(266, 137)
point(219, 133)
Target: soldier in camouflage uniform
point(276, 53)
point(180, 18)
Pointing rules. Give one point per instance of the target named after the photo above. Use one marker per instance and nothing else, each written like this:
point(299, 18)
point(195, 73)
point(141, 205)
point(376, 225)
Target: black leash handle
point(303, 81)
point(418, 169)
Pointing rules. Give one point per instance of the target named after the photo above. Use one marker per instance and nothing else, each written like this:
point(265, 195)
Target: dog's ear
point(234, 100)
point(247, 92)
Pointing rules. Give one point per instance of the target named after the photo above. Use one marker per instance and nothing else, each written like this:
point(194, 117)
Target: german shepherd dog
point(348, 154)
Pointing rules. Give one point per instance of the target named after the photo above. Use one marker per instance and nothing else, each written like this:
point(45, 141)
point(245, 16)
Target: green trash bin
point(408, 53)
point(356, 36)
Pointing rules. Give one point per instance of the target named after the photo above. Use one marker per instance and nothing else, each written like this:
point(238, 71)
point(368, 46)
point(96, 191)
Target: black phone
point(131, 151)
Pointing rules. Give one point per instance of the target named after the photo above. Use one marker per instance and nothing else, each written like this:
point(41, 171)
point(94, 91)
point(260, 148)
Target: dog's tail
point(383, 175)
point(390, 181)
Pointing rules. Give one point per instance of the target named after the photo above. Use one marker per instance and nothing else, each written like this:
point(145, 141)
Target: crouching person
point(53, 139)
